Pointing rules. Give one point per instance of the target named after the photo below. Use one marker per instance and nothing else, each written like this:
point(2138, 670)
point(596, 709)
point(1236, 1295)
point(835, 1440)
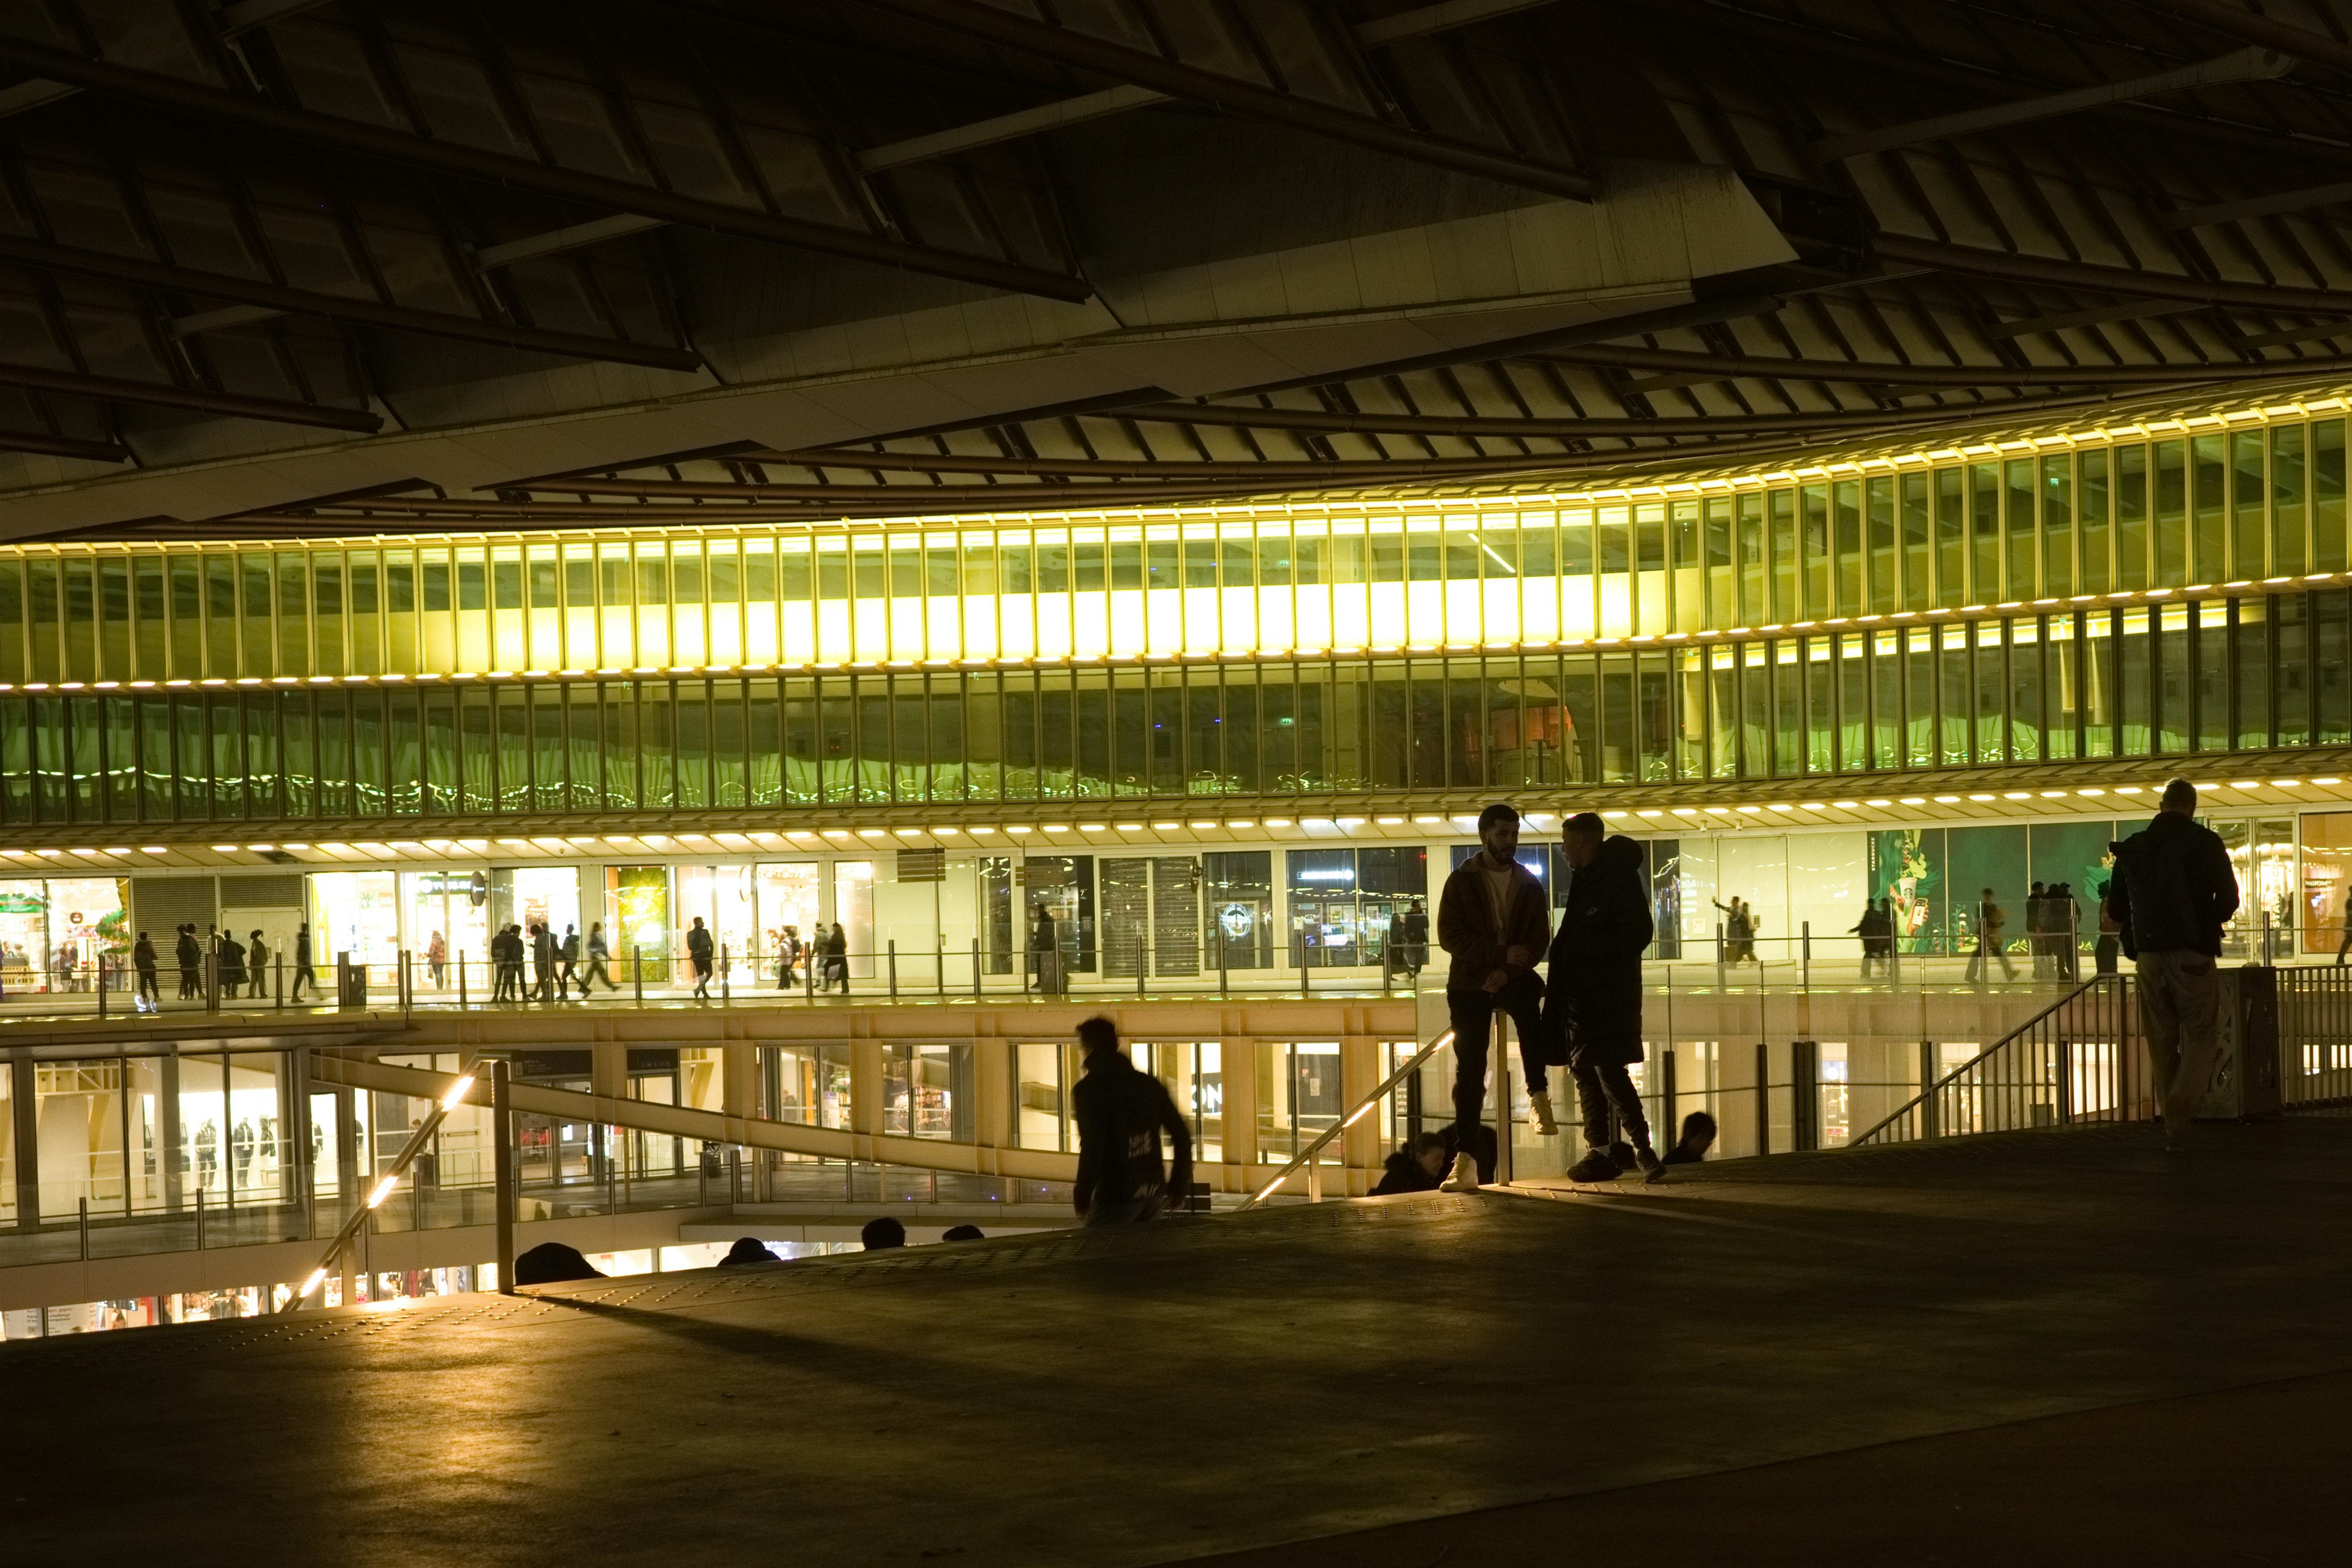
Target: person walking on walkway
point(1491, 921)
point(436, 958)
point(2037, 930)
point(788, 947)
point(1045, 952)
point(567, 959)
point(303, 973)
point(542, 963)
point(1592, 998)
point(149, 998)
point(599, 953)
point(1991, 923)
point(1122, 1112)
point(2063, 921)
point(697, 952)
point(191, 959)
point(2173, 893)
point(836, 958)
point(1876, 929)
point(257, 965)
point(2110, 931)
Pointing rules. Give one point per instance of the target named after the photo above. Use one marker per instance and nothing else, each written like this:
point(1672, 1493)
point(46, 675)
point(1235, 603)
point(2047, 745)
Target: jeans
point(2179, 1006)
point(1130, 1212)
point(1601, 1087)
point(1473, 1016)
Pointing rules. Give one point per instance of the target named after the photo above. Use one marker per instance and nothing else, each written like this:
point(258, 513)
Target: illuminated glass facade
point(2208, 675)
point(2240, 502)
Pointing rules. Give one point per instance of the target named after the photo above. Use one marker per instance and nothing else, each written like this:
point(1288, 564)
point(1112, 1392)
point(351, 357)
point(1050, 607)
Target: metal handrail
point(417, 1140)
point(2096, 982)
point(1356, 1113)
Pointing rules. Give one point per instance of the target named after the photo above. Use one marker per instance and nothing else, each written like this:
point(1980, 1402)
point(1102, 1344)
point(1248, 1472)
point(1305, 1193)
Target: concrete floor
point(2019, 1348)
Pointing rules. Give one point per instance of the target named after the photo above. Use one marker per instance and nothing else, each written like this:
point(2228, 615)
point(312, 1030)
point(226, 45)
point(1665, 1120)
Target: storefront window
point(358, 913)
point(926, 1092)
point(2326, 878)
point(1041, 1078)
point(784, 898)
point(1298, 1097)
point(1238, 904)
point(722, 895)
point(853, 910)
point(454, 906)
point(636, 899)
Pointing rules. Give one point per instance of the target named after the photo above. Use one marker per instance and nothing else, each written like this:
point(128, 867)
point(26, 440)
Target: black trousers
point(1604, 1086)
point(1472, 1014)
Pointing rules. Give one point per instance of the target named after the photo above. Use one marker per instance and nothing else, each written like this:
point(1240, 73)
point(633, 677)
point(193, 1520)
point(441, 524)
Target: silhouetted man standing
point(1491, 919)
point(1594, 1004)
point(2173, 893)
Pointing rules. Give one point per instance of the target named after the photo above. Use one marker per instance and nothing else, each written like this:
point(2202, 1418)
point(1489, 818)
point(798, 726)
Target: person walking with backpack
point(567, 961)
point(1122, 1112)
point(1593, 1000)
point(2173, 893)
point(1491, 919)
point(257, 966)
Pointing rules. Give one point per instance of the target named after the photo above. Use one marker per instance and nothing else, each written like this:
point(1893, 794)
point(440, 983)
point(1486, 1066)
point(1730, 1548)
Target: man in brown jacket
point(1491, 918)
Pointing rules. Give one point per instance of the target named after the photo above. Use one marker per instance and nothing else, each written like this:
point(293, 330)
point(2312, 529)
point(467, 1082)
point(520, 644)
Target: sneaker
point(1466, 1175)
point(1596, 1166)
point(1539, 1111)
point(1653, 1170)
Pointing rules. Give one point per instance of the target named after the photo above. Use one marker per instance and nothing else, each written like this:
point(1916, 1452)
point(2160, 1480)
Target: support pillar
point(1237, 1064)
point(1361, 1146)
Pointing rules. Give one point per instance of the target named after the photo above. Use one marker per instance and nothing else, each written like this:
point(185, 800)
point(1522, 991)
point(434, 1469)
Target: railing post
point(1928, 1119)
point(1302, 964)
point(101, 986)
point(1668, 1131)
point(893, 945)
point(1719, 978)
point(976, 966)
point(1763, 1098)
point(2062, 1055)
point(83, 1220)
point(725, 996)
point(1499, 1065)
point(1142, 955)
point(638, 971)
point(1805, 956)
point(503, 1170)
point(461, 982)
point(1804, 1094)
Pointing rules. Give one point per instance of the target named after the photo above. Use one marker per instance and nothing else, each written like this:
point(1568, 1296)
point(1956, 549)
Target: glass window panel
point(2057, 525)
point(2290, 541)
point(2249, 526)
point(297, 742)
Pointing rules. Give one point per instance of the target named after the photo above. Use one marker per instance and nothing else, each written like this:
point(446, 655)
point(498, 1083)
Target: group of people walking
point(1740, 924)
point(554, 962)
point(240, 968)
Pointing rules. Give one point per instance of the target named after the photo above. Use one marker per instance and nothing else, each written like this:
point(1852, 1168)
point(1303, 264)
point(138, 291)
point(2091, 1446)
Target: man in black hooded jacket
point(1594, 996)
point(2173, 891)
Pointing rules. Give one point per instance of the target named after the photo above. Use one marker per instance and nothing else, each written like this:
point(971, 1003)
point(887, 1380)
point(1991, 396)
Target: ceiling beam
point(1437, 19)
point(1336, 423)
point(2129, 310)
point(1178, 472)
point(164, 395)
point(146, 274)
point(1007, 128)
point(2254, 63)
point(2129, 280)
point(1083, 52)
point(242, 18)
point(2233, 19)
point(577, 236)
point(2258, 206)
point(63, 447)
point(1733, 367)
point(171, 94)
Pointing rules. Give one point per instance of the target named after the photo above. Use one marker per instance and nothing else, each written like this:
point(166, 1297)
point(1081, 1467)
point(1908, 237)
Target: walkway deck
point(2024, 1344)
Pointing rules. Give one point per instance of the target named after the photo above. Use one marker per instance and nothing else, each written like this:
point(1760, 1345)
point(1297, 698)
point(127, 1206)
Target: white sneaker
point(1466, 1175)
point(1540, 1112)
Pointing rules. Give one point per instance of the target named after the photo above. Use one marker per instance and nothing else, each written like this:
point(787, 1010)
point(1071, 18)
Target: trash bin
point(350, 982)
point(2246, 1065)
